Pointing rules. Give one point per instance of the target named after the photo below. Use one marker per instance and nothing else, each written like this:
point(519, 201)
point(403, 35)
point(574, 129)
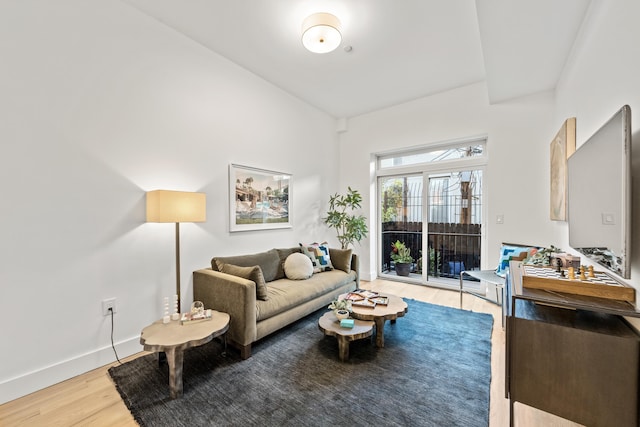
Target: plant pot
point(341, 314)
point(403, 269)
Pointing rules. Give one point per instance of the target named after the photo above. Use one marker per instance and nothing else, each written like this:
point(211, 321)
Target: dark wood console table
point(572, 356)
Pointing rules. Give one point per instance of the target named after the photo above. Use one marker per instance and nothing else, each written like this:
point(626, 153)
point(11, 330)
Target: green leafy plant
point(400, 253)
point(342, 304)
point(391, 200)
point(419, 263)
point(434, 263)
point(542, 256)
point(349, 227)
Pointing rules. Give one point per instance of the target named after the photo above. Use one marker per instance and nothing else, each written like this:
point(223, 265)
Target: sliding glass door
point(436, 213)
point(454, 226)
point(401, 213)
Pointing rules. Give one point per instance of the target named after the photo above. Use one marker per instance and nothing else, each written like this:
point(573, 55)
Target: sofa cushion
point(318, 253)
point(285, 294)
point(268, 262)
point(250, 273)
point(512, 252)
point(283, 253)
point(298, 267)
point(341, 259)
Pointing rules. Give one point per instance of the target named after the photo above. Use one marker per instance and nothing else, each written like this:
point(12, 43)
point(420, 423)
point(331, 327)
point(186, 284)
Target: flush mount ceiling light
point(321, 33)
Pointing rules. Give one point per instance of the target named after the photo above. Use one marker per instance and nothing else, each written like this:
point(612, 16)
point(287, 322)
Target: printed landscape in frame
point(562, 146)
point(259, 199)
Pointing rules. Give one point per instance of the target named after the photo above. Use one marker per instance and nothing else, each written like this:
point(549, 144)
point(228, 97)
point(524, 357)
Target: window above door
point(432, 154)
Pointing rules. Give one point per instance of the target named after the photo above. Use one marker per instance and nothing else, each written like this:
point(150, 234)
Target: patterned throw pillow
point(318, 253)
point(508, 253)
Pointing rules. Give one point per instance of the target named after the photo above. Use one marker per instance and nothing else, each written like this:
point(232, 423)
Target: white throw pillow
point(298, 266)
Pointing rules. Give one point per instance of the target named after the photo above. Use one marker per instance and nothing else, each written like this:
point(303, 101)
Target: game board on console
point(582, 281)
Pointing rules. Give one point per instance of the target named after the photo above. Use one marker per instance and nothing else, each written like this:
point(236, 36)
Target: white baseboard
point(30, 382)
point(368, 277)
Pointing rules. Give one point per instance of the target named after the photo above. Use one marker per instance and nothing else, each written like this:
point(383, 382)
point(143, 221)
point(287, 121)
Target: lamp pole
point(178, 265)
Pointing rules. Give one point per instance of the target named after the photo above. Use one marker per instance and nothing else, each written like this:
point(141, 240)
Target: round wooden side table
point(380, 313)
point(330, 326)
point(173, 338)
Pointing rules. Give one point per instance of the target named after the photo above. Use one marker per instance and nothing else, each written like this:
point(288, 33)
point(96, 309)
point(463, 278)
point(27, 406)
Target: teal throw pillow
point(508, 253)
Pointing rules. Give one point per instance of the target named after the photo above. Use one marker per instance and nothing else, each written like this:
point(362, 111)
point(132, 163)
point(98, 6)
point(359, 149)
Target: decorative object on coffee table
point(380, 300)
point(396, 307)
point(341, 308)
point(173, 338)
point(330, 326)
point(341, 314)
point(367, 303)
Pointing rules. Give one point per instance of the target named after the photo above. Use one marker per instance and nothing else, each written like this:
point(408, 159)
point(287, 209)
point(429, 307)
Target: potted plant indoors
point(350, 227)
point(341, 308)
point(401, 256)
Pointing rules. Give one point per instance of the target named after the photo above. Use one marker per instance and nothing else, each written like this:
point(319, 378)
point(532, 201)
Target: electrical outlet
point(108, 304)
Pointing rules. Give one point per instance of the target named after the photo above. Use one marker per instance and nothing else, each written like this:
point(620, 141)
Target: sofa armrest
point(230, 294)
point(355, 266)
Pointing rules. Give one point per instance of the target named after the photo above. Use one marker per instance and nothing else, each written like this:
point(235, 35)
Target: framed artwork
point(259, 199)
point(562, 146)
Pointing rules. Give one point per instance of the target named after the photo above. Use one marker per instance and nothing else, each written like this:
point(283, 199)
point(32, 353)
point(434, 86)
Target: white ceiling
point(401, 50)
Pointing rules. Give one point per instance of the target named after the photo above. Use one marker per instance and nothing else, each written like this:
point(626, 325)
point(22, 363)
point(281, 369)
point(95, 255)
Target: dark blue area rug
point(435, 370)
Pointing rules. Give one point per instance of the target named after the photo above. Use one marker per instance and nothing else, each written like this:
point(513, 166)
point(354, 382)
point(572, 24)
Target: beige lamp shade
point(176, 206)
point(321, 33)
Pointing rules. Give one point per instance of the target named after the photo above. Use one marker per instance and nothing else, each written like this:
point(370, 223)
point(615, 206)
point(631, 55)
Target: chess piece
point(559, 270)
point(572, 273)
point(590, 270)
point(583, 276)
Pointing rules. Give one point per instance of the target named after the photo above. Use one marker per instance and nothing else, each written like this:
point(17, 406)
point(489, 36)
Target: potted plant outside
point(401, 256)
point(350, 227)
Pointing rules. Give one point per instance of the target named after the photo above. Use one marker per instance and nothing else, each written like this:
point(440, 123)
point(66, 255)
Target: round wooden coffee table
point(330, 326)
point(173, 338)
point(380, 313)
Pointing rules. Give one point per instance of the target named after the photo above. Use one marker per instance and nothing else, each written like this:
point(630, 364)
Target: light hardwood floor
point(91, 399)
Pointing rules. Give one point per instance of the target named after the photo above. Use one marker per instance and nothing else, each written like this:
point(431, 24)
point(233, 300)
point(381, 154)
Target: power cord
point(112, 345)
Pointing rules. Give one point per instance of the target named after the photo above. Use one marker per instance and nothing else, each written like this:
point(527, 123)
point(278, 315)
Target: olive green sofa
point(285, 300)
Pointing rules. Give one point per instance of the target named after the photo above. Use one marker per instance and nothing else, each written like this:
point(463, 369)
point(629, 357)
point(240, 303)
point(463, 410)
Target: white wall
point(516, 177)
point(99, 104)
point(602, 75)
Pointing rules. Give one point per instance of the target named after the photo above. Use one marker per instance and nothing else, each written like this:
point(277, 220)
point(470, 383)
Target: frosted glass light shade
point(321, 33)
point(176, 206)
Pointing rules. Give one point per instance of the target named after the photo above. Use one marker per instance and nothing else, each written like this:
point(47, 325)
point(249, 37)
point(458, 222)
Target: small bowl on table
point(341, 314)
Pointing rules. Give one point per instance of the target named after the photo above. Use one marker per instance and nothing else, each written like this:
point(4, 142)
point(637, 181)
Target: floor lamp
point(176, 206)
